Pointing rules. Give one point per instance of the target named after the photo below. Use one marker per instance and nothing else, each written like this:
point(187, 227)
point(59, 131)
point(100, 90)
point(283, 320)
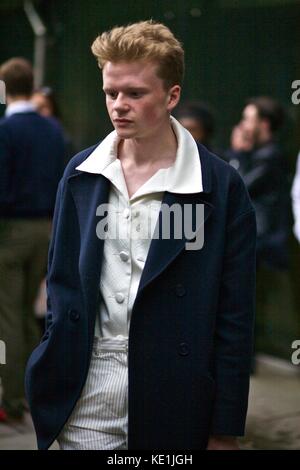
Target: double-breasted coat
point(190, 337)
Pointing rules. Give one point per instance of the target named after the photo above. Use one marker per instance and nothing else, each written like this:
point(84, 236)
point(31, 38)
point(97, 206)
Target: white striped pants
point(99, 420)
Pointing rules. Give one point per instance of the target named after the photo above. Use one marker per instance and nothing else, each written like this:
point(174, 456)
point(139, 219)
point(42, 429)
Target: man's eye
point(135, 94)
point(112, 94)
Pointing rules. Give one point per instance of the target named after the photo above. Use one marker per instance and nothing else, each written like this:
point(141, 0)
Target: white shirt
point(296, 200)
point(124, 255)
point(21, 106)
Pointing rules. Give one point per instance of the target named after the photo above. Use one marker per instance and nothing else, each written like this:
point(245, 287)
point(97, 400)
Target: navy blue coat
point(190, 338)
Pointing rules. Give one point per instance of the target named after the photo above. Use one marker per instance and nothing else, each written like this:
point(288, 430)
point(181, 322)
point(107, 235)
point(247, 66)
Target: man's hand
point(240, 140)
point(222, 443)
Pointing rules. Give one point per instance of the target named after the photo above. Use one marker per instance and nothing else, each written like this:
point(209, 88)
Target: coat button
point(183, 349)
point(74, 315)
point(180, 290)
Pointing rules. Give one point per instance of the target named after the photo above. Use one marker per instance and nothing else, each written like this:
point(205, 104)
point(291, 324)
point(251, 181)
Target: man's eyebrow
point(129, 88)
point(137, 88)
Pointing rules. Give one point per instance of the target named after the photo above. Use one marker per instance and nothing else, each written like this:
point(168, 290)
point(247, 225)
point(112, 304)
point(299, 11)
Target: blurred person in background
point(257, 155)
point(198, 119)
point(45, 101)
point(31, 161)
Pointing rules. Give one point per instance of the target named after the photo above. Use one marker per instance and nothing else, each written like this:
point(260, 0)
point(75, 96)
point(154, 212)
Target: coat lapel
point(89, 191)
point(163, 250)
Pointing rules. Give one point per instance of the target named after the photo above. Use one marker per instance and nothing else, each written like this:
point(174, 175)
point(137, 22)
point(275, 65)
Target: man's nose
point(120, 103)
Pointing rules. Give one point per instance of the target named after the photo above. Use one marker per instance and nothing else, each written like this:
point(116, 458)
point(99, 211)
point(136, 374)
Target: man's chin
point(125, 133)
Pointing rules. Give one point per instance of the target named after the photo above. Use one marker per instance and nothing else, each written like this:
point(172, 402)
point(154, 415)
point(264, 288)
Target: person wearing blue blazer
point(151, 274)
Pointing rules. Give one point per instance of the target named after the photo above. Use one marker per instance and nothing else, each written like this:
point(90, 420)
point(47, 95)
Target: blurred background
point(234, 50)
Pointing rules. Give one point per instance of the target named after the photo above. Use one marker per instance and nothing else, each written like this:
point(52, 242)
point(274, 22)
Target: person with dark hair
point(266, 115)
point(198, 119)
point(31, 159)
point(45, 101)
point(256, 154)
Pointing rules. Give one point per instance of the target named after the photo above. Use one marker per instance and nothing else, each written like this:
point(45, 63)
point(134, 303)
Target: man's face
point(42, 104)
point(251, 122)
point(136, 100)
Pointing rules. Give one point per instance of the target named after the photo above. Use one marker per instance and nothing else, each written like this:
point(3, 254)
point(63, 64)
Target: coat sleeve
point(50, 256)
point(234, 326)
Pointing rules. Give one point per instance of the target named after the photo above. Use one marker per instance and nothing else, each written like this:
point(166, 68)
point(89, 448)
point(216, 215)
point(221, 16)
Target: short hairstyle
point(270, 109)
point(17, 74)
point(145, 40)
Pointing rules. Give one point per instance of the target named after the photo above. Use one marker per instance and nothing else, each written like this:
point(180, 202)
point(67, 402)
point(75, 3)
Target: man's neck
point(150, 150)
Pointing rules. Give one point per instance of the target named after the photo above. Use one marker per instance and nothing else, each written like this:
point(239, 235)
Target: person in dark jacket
point(31, 161)
point(149, 332)
point(256, 154)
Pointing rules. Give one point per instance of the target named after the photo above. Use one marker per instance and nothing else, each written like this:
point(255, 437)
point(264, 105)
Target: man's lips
point(122, 121)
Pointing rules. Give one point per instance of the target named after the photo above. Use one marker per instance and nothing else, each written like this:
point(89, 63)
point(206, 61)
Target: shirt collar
point(184, 176)
point(21, 106)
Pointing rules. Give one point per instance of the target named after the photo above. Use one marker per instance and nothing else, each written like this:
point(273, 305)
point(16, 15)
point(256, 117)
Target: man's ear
point(173, 97)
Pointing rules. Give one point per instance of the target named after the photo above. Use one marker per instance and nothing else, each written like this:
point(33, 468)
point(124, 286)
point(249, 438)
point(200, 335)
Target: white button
point(126, 213)
point(138, 228)
point(136, 214)
point(124, 255)
point(120, 297)
point(140, 258)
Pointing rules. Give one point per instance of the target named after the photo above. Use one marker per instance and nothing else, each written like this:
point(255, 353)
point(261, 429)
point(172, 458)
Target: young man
point(149, 333)
point(31, 162)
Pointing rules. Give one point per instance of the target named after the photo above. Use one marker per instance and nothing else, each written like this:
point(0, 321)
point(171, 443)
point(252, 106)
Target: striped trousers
point(99, 420)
